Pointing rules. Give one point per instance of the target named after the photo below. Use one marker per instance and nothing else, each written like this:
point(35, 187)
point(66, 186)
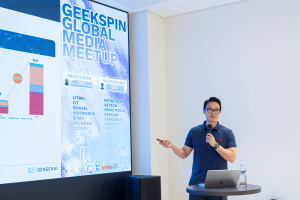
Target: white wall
point(147, 73)
point(157, 88)
point(248, 55)
point(140, 101)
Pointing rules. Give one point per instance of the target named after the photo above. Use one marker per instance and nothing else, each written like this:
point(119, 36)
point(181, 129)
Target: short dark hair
point(212, 99)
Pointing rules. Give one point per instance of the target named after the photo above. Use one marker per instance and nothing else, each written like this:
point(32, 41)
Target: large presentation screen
point(64, 92)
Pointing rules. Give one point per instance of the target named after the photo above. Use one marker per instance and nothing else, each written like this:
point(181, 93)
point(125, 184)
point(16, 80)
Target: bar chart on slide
point(36, 102)
point(14, 98)
point(3, 107)
point(23, 93)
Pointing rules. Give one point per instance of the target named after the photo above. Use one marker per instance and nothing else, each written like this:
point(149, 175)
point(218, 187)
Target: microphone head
point(209, 126)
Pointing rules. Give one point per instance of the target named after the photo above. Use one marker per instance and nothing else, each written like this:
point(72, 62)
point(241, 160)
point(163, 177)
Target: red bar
point(3, 110)
point(36, 103)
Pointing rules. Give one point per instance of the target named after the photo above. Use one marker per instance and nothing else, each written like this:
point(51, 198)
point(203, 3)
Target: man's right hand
point(166, 143)
point(180, 152)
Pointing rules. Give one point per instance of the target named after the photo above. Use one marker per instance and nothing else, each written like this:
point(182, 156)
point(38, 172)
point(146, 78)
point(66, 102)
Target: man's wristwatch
point(217, 145)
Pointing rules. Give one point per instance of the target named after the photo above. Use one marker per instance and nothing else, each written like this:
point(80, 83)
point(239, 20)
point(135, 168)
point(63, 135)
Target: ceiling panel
point(137, 4)
point(177, 7)
point(166, 8)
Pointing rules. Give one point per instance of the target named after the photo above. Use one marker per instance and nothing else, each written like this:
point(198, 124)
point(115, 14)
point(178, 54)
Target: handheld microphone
point(209, 127)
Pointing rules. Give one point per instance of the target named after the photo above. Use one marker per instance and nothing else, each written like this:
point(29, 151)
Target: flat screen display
point(64, 92)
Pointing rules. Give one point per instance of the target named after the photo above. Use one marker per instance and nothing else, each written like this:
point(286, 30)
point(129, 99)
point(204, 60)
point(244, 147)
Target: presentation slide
point(64, 93)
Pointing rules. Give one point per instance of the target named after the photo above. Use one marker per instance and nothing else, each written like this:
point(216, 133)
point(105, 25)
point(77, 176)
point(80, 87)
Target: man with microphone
point(211, 150)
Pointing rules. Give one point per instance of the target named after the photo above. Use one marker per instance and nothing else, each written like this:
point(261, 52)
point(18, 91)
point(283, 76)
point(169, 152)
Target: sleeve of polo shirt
point(230, 139)
point(189, 141)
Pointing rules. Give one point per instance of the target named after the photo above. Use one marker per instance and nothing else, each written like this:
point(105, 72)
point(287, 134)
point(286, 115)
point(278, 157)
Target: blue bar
point(36, 65)
point(26, 43)
point(47, 9)
point(37, 88)
point(3, 106)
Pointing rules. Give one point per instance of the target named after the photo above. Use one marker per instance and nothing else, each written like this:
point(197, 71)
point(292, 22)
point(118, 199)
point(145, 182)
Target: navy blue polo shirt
point(208, 159)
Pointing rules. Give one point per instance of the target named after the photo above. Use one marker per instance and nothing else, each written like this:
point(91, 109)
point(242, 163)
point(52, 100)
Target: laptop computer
point(221, 178)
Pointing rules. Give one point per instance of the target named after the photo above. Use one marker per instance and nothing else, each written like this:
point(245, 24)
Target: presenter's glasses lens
point(216, 111)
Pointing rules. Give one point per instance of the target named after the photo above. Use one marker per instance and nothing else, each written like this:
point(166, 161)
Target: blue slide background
point(96, 150)
point(26, 43)
point(47, 9)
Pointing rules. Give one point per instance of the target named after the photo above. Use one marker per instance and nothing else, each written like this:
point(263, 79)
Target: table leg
point(223, 198)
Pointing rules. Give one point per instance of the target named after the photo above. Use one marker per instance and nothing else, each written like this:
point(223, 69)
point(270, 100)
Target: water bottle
point(243, 179)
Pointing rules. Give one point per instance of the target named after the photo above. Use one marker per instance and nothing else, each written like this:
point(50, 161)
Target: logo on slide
point(107, 167)
point(90, 169)
point(31, 170)
point(97, 168)
point(47, 169)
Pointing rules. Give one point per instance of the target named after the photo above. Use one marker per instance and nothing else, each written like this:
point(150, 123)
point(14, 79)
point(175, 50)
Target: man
point(222, 146)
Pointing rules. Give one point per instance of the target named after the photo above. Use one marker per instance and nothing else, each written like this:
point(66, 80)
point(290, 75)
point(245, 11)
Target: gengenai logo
point(31, 170)
point(41, 169)
point(46, 169)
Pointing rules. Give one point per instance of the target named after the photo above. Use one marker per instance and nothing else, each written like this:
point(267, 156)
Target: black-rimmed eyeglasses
point(216, 111)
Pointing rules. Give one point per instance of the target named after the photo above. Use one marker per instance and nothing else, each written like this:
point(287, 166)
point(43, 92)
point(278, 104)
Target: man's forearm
point(179, 152)
point(227, 154)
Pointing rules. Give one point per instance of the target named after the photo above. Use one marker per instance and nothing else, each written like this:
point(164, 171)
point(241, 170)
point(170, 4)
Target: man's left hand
point(211, 139)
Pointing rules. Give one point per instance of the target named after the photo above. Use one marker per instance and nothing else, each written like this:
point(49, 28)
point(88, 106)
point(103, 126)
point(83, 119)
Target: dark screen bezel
point(54, 188)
